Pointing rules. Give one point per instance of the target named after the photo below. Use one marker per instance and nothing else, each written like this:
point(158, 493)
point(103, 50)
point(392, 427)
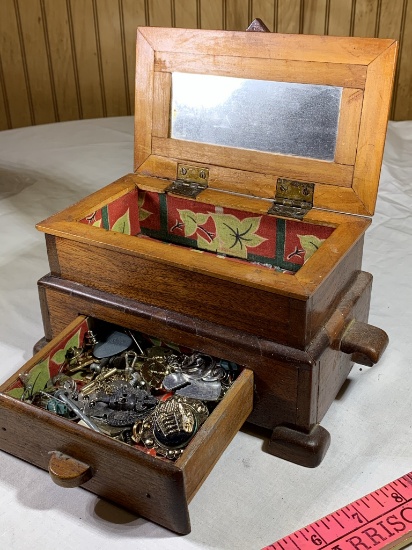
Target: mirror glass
point(275, 117)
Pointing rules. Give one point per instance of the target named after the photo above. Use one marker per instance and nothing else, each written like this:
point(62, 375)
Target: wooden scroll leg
point(365, 343)
point(67, 471)
point(305, 449)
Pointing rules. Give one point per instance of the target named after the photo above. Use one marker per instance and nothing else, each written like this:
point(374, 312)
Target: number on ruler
point(357, 516)
point(316, 540)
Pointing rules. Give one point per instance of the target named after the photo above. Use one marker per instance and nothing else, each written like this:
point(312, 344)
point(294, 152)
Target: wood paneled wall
point(73, 59)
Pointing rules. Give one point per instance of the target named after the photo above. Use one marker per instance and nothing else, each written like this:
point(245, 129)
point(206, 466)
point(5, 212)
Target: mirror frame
point(363, 67)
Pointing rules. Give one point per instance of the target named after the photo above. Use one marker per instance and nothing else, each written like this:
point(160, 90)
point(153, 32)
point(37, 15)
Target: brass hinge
point(293, 199)
point(190, 181)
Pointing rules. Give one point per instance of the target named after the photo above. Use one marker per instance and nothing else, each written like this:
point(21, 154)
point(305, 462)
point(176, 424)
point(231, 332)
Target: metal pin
point(81, 366)
point(136, 343)
point(61, 394)
point(89, 388)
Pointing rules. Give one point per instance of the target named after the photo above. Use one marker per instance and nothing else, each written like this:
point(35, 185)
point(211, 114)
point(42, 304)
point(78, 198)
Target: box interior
point(280, 244)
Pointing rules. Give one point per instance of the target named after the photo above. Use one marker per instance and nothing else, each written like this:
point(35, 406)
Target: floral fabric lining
point(50, 366)
point(281, 244)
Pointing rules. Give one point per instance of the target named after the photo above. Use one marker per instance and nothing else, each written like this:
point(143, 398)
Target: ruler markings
point(329, 543)
point(359, 513)
point(405, 481)
point(408, 479)
point(318, 535)
point(327, 526)
point(338, 522)
point(366, 526)
point(384, 514)
point(395, 491)
point(378, 501)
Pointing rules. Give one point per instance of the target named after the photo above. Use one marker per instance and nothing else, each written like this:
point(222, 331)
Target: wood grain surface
point(363, 67)
point(74, 59)
point(292, 386)
point(159, 494)
point(74, 455)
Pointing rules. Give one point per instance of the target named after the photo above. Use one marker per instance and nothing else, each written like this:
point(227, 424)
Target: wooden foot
point(305, 449)
point(365, 343)
point(39, 345)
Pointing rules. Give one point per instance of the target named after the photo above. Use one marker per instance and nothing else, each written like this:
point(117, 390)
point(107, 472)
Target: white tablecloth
point(250, 498)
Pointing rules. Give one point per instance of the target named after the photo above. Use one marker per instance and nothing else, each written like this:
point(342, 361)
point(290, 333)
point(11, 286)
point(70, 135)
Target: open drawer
point(75, 455)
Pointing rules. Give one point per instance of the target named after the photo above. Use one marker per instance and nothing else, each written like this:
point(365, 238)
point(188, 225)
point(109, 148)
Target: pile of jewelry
point(121, 385)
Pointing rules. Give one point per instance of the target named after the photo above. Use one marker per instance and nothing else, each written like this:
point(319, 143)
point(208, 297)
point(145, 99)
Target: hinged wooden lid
point(336, 91)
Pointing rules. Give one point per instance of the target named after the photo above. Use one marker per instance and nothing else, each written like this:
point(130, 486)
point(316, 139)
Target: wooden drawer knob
point(365, 343)
point(67, 471)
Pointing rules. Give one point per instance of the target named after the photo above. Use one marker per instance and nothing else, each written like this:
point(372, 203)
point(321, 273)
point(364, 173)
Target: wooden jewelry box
point(90, 245)
point(240, 232)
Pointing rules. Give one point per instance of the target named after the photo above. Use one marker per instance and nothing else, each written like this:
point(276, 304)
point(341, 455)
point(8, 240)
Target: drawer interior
point(167, 480)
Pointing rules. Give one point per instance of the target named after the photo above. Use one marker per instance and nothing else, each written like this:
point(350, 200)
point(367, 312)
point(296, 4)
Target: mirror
point(274, 117)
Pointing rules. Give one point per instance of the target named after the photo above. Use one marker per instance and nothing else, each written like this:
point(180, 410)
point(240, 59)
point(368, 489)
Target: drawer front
point(121, 474)
point(150, 486)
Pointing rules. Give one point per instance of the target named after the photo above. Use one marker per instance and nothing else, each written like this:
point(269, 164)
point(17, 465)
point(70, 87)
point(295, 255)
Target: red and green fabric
point(121, 215)
point(264, 239)
point(281, 244)
point(50, 366)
